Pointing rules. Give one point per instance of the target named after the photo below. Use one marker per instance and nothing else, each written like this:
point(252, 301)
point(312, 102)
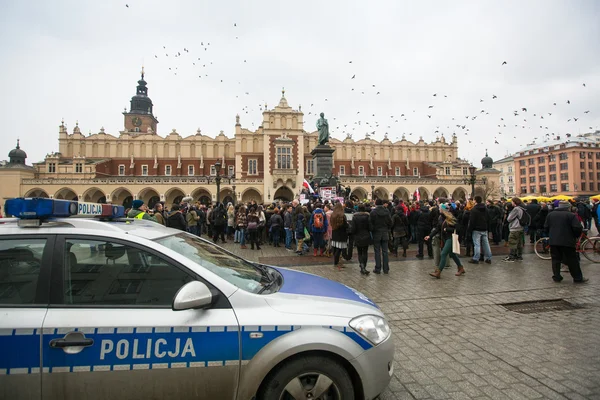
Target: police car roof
point(145, 229)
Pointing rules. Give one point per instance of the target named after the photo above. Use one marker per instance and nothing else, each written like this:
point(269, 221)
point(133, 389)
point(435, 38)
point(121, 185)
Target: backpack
point(318, 220)
point(525, 219)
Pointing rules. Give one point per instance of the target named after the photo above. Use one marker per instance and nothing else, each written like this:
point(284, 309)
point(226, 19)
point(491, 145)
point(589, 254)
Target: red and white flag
point(418, 195)
point(307, 185)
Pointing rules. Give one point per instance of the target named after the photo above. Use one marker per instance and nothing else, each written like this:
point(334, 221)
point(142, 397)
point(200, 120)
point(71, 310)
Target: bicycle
point(588, 246)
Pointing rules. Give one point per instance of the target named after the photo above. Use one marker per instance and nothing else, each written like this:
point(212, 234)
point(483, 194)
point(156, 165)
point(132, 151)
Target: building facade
point(266, 164)
point(570, 166)
point(506, 180)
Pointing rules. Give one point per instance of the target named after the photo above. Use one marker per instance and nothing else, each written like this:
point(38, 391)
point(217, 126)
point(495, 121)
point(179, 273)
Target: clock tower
point(140, 119)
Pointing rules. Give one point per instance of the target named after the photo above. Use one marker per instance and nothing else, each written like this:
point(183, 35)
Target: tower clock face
point(136, 121)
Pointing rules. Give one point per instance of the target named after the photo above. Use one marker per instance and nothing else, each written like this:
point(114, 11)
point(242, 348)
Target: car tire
point(304, 374)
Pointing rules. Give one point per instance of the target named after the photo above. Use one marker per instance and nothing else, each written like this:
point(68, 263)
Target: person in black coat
point(381, 221)
point(276, 223)
point(423, 228)
point(540, 221)
point(339, 233)
point(532, 209)
point(176, 220)
point(361, 231)
point(400, 231)
point(564, 228)
point(347, 254)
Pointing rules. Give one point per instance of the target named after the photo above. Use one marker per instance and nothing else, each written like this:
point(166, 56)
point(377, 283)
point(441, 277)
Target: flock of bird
point(542, 122)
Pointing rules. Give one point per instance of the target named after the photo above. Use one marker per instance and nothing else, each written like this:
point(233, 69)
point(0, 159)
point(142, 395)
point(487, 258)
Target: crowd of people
point(439, 227)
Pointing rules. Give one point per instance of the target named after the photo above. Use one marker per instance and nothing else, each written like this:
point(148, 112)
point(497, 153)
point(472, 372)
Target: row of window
point(52, 167)
point(562, 156)
point(542, 159)
point(564, 187)
point(169, 170)
point(552, 178)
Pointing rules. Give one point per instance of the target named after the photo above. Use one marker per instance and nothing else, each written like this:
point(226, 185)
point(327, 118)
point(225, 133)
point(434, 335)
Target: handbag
point(455, 244)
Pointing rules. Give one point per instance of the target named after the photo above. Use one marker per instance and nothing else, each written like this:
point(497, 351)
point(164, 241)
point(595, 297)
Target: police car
point(108, 307)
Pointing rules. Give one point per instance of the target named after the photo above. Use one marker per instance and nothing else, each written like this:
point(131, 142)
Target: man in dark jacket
point(495, 215)
point(218, 222)
point(176, 220)
point(478, 229)
point(532, 209)
point(585, 213)
point(287, 226)
point(381, 221)
point(424, 225)
point(564, 228)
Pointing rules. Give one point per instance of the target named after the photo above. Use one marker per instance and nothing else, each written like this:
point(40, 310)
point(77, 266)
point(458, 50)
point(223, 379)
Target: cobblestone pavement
point(455, 341)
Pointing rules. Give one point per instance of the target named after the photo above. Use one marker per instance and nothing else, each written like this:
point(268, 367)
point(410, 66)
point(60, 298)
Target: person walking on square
point(515, 236)
point(446, 227)
point(478, 226)
point(400, 231)
point(423, 228)
point(299, 232)
point(532, 209)
point(564, 229)
point(318, 226)
point(361, 230)
point(381, 221)
point(339, 234)
point(287, 227)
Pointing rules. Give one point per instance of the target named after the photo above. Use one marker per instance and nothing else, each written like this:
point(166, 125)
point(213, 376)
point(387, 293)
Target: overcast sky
point(80, 60)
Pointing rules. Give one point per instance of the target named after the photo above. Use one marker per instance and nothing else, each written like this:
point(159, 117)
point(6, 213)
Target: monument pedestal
point(323, 165)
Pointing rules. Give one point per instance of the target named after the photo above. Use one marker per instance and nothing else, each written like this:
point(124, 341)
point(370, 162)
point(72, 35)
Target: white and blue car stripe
point(130, 348)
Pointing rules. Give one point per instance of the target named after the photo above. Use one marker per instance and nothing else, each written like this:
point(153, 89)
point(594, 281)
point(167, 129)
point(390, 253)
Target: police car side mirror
point(193, 294)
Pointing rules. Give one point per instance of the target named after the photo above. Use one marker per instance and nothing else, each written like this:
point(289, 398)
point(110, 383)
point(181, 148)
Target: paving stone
point(453, 338)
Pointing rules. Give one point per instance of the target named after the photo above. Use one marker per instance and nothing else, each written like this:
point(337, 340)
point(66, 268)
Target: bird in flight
point(504, 63)
point(494, 96)
point(353, 76)
point(568, 101)
point(127, 5)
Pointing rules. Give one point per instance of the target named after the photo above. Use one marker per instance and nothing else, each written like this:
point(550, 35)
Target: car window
point(111, 273)
point(20, 262)
point(235, 270)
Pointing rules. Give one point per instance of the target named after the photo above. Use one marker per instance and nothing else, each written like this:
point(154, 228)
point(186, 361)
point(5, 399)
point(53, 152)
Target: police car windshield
point(235, 270)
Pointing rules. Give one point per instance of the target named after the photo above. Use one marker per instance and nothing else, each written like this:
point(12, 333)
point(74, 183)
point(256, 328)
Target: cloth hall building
point(264, 165)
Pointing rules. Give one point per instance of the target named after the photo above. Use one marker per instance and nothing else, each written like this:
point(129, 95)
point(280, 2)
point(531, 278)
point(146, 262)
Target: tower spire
point(18, 147)
point(142, 72)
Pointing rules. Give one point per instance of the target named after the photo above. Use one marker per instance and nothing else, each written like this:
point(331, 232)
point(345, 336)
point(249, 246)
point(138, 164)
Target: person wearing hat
point(140, 211)
point(563, 229)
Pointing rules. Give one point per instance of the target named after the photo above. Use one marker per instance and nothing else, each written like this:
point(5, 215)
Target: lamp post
point(218, 180)
point(472, 179)
point(372, 192)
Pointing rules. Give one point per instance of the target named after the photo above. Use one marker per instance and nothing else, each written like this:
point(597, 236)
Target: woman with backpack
point(339, 234)
point(446, 227)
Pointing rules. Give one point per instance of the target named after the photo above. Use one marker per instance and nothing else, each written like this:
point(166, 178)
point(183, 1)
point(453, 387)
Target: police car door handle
point(65, 342)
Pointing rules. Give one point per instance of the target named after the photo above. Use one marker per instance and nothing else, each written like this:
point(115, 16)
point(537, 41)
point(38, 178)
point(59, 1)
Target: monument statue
point(323, 127)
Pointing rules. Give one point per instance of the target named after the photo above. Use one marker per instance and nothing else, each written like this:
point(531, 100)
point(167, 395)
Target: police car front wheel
point(314, 378)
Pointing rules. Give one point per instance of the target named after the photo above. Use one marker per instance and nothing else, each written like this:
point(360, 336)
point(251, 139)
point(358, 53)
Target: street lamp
point(471, 180)
point(372, 192)
point(218, 181)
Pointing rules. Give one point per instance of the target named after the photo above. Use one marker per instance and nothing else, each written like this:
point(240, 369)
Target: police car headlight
point(371, 327)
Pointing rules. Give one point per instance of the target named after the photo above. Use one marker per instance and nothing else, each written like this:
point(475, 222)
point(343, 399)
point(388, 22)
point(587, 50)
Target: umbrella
point(562, 197)
point(596, 197)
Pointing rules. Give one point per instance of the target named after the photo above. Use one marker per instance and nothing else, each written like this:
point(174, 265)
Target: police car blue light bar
point(44, 208)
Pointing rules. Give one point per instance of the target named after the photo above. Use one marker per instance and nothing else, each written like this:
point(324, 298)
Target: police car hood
point(319, 296)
